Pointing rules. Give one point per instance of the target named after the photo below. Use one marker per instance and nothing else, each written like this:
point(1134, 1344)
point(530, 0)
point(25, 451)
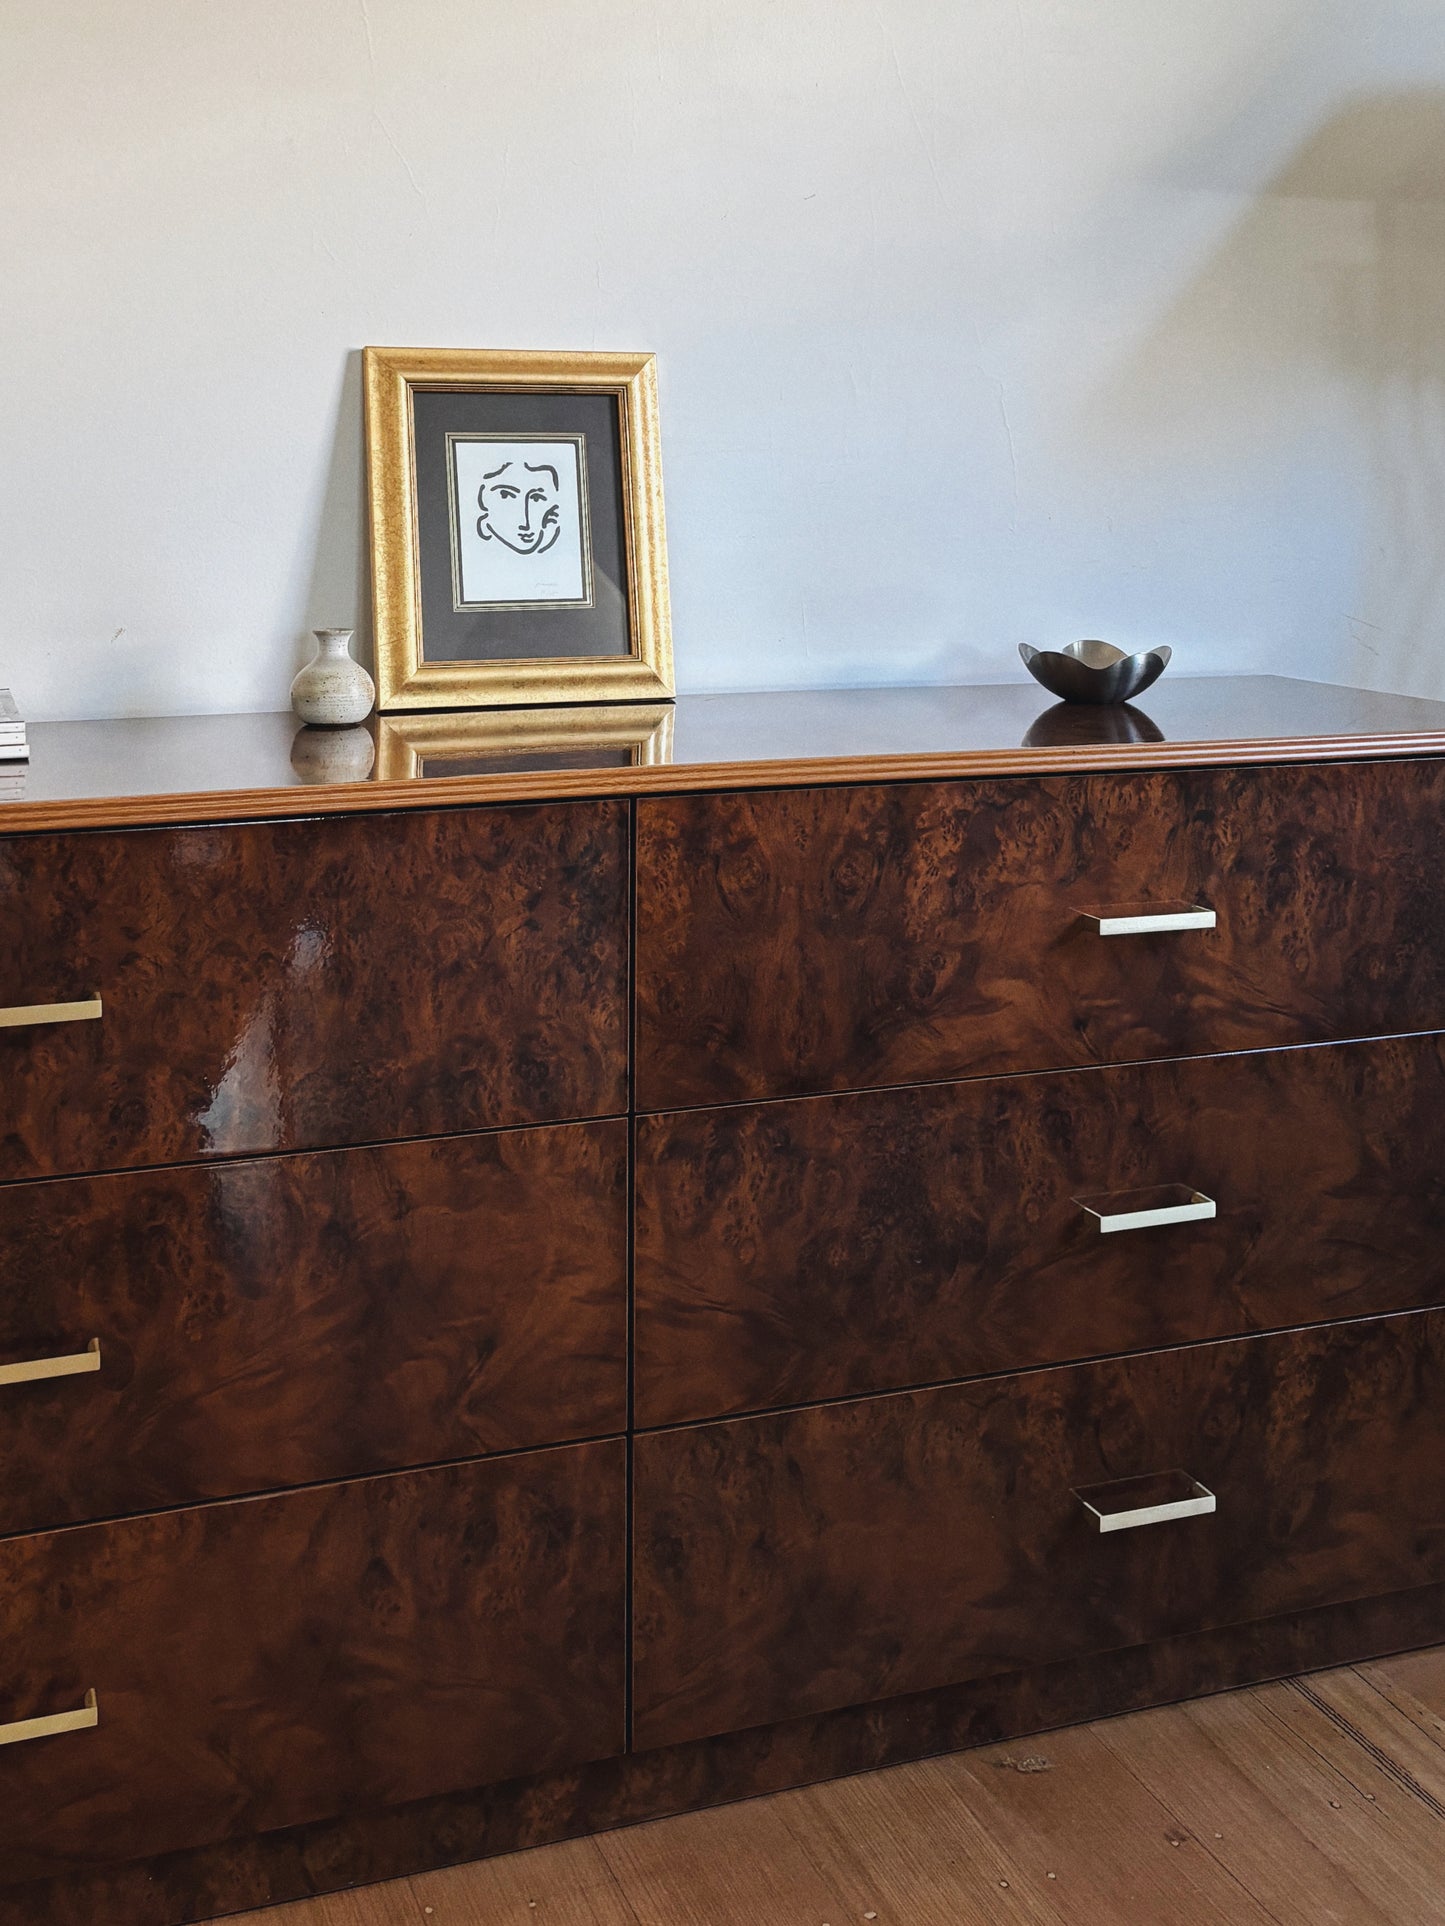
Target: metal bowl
point(1094, 671)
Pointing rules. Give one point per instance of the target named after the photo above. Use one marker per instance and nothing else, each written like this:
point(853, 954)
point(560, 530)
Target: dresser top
point(214, 768)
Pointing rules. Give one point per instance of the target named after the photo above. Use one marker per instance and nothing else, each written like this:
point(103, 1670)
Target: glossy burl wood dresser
point(588, 1274)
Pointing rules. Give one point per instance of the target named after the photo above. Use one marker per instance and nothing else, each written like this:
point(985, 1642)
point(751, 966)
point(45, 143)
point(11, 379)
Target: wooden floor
point(1320, 1802)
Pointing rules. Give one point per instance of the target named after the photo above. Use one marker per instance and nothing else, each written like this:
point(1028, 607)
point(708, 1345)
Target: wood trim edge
point(438, 792)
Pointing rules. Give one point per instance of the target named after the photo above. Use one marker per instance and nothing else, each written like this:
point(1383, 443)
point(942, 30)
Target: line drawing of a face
point(520, 507)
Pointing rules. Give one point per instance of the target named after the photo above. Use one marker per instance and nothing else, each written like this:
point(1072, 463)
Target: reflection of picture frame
point(517, 540)
point(500, 741)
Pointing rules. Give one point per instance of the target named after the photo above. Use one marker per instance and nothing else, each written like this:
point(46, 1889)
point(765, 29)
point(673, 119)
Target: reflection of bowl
point(1069, 726)
point(1094, 671)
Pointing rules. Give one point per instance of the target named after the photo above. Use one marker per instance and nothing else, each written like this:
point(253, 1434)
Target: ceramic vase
point(333, 691)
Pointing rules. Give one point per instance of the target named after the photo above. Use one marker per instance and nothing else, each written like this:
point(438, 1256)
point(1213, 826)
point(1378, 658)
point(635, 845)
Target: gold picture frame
point(406, 676)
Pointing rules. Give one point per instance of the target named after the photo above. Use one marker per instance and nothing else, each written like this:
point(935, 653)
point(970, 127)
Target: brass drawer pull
point(58, 1722)
point(1158, 1499)
point(29, 1016)
point(38, 1368)
point(1132, 921)
point(1143, 1209)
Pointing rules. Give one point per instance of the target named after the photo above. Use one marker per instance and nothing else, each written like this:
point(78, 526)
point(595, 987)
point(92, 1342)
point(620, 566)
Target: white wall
point(979, 320)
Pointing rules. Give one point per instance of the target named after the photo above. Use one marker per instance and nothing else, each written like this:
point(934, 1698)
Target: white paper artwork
point(519, 522)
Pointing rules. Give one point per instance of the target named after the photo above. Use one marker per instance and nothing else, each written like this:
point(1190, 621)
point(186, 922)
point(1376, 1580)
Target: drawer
point(789, 1564)
point(824, 939)
point(288, 1320)
point(269, 1662)
point(838, 1245)
point(287, 986)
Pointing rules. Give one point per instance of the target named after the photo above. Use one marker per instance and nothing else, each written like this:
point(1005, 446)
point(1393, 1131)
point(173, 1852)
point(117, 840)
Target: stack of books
point(12, 731)
point(13, 749)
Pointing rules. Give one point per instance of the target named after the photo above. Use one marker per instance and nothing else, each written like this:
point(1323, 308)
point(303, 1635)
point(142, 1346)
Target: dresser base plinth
point(330, 1856)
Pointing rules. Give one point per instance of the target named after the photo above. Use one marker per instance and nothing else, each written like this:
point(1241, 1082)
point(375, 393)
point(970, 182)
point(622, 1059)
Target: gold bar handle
point(1146, 1209)
point(1128, 1503)
point(25, 1729)
point(1140, 920)
point(67, 1367)
point(29, 1016)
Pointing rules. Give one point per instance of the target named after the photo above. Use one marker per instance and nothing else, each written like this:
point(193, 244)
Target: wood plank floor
point(1317, 1802)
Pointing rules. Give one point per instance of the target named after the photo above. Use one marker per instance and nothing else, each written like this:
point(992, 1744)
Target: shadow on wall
point(339, 594)
point(1319, 325)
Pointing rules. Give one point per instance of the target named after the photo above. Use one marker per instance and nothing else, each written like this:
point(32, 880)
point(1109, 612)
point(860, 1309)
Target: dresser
point(578, 1277)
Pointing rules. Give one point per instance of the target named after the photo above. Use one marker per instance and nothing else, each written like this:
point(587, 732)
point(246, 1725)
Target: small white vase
point(333, 690)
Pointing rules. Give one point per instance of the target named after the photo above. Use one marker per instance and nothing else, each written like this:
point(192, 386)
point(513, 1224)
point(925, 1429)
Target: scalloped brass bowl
point(1094, 671)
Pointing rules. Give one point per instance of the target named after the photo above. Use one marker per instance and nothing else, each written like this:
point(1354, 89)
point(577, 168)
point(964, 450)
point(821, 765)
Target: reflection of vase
point(333, 690)
point(333, 755)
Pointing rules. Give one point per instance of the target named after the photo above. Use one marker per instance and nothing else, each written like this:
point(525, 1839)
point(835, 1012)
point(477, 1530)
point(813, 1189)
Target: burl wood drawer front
point(837, 1245)
point(292, 1319)
point(275, 1660)
point(788, 1564)
point(291, 985)
point(823, 939)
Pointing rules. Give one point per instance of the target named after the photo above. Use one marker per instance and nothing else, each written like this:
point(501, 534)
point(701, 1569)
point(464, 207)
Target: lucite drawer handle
point(1142, 922)
point(29, 1016)
point(68, 1367)
point(1142, 1501)
point(1190, 1207)
point(50, 1728)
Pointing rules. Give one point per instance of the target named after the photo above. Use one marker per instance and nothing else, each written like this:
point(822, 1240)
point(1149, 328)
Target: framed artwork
point(518, 552)
point(502, 741)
